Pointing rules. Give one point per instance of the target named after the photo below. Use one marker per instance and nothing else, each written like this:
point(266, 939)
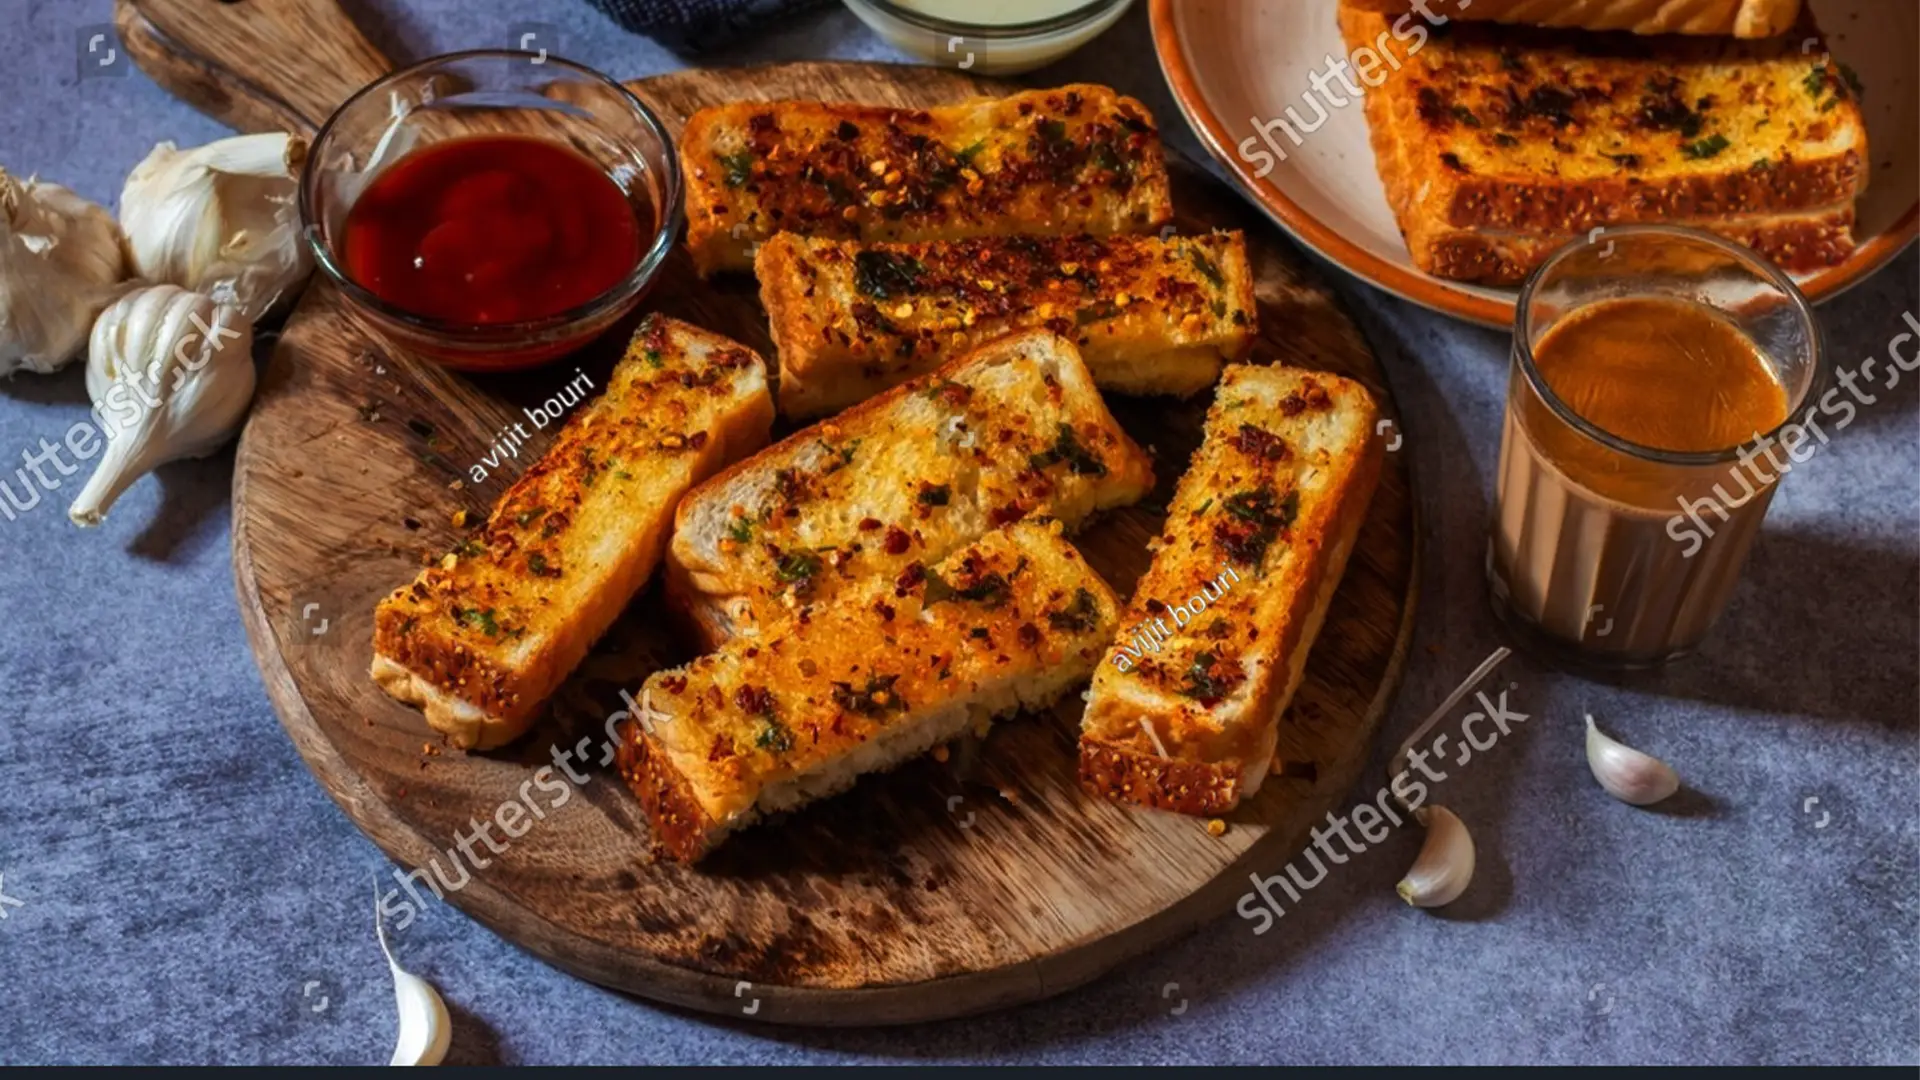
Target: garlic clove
point(220, 219)
point(61, 262)
point(1445, 865)
point(1626, 773)
point(172, 375)
point(426, 1030)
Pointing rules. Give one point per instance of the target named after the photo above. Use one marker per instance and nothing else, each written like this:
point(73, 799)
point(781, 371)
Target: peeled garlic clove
point(220, 219)
point(425, 1028)
point(60, 263)
point(172, 373)
point(1626, 773)
point(1445, 865)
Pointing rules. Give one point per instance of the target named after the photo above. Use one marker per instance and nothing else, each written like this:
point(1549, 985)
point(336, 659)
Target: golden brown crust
point(1150, 315)
point(1546, 134)
point(1795, 243)
point(1739, 18)
point(1200, 788)
point(1078, 159)
point(679, 827)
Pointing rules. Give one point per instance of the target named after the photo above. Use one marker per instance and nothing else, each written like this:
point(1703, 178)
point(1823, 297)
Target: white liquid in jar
point(992, 12)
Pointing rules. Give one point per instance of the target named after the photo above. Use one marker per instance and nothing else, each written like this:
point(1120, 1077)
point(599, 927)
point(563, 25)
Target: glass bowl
point(985, 47)
point(492, 92)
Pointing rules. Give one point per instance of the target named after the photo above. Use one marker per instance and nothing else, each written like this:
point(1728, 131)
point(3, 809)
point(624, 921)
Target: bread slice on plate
point(1150, 315)
point(1496, 142)
point(1079, 159)
point(481, 640)
point(882, 673)
point(1015, 429)
point(1736, 18)
point(1185, 709)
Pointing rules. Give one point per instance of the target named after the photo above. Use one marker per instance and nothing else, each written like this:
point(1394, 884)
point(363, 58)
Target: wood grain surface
point(937, 890)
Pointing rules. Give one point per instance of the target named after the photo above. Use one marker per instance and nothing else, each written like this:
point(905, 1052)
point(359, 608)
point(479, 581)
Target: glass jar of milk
point(989, 37)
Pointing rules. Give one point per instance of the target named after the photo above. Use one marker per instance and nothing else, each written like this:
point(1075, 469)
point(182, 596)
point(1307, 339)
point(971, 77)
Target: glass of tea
point(1660, 387)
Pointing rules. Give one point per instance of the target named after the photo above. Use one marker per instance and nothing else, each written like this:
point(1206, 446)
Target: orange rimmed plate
point(1234, 63)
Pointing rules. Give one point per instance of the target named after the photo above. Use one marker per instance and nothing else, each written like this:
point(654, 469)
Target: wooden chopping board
point(938, 890)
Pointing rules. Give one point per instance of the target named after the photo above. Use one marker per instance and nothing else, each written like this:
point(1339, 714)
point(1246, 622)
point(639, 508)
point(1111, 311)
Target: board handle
point(255, 65)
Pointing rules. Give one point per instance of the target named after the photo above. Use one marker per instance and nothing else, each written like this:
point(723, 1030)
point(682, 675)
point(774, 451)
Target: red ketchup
point(492, 229)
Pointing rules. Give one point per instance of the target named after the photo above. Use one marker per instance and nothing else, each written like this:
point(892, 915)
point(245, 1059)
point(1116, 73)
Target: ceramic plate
point(1233, 63)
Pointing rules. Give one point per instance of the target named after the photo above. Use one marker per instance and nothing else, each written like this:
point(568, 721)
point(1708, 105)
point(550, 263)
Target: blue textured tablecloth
point(176, 888)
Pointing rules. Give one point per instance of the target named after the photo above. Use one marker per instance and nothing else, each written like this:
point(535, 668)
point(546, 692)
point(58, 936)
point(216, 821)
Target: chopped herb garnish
point(843, 456)
point(1080, 615)
point(481, 620)
point(538, 563)
point(528, 517)
point(1093, 313)
point(966, 155)
point(1706, 148)
point(774, 736)
point(798, 567)
point(739, 167)
point(1258, 518)
point(1816, 81)
point(1203, 685)
point(469, 548)
point(1203, 506)
point(935, 495)
point(991, 589)
point(740, 530)
point(1465, 116)
point(1066, 447)
point(1054, 131)
point(1208, 269)
point(877, 698)
point(883, 275)
point(654, 358)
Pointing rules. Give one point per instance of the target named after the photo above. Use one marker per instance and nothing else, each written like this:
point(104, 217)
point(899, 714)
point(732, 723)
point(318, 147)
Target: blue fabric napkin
point(698, 25)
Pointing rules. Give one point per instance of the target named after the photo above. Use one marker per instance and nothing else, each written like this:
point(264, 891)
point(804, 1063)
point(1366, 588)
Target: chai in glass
point(1632, 482)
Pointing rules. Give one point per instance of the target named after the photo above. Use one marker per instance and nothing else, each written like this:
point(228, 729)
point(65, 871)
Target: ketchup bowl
point(492, 210)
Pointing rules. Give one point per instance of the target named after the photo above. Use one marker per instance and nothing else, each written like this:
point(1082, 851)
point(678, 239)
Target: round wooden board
point(931, 892)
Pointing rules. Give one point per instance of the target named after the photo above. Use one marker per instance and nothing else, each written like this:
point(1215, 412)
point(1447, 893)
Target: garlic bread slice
point(880, 674)
point(1013, 430)
point(1185, 709)
point(481, 640)
point(1150, 315)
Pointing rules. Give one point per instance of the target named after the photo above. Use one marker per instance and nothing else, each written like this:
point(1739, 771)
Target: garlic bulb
point(1626, 773)
point(60, 263)
point(1445, 865)
point(220, 220)
point(426, 1030)
point(171, 372)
